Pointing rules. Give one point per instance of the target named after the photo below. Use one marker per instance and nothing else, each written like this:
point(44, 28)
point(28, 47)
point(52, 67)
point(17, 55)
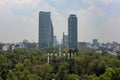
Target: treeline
point(85, 64)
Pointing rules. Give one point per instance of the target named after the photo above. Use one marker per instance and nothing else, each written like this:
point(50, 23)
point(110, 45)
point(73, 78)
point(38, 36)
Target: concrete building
point(1, 46)
point(45, 30)
point(95, 42)
point(65, 41)
point(82, 45)
point(55, 42)
point(32, 45)
point(72, 31)
point(108, 45)
point(115, 48)
point(6, 47)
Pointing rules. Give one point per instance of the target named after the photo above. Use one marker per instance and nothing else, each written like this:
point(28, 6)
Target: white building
point(6, 47)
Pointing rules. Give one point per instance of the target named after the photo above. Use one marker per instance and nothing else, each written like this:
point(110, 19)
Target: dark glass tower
point(72, 31)
point(45, 30)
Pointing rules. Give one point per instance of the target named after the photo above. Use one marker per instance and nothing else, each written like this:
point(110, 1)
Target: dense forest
point(85, 64)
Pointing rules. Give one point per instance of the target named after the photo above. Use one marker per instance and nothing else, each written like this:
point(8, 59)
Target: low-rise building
point(6, 47)
point(82, 45)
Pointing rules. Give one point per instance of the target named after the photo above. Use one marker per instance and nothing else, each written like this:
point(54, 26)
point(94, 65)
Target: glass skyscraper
point(72, 31)
point(45, 30)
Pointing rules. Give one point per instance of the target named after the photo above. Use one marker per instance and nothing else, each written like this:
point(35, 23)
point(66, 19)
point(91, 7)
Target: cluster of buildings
point(48, 39)
point(111, 47)
point(46, 32)
point(20, 45)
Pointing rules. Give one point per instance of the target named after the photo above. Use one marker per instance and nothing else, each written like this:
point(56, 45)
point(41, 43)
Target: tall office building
point(65, 41)
point(95, 42)
point(45, 30)
point(55, 42)
point(72, 31)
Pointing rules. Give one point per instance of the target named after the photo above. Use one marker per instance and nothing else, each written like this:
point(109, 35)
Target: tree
point(44, 71)
point(97, 67)
point(118, 54)
point(1, 78)
point(72, 77)
point(111, 74)
point(21, 73)
point(4, 66)
point(63, 71)
point(32, 65)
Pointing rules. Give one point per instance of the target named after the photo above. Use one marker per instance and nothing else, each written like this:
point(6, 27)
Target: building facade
point(82, 45)
point(55, 42)
point(95, 42)
point(72, 31)
point(45, 30)
point(65, 41)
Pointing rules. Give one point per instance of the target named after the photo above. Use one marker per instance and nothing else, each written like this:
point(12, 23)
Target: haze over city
point(96, 19)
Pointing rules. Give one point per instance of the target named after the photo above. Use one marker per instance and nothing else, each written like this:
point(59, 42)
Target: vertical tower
point(65, 40)
point(72, 31)
point(95, 42)
point(45, 30)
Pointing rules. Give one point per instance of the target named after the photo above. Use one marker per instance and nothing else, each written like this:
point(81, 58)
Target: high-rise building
point(95, 42)
point(45, 30)
point(55, 42)
point(72, 31)
point(65, 41)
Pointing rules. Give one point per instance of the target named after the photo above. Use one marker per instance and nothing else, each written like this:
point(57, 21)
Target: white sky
point(96, 19)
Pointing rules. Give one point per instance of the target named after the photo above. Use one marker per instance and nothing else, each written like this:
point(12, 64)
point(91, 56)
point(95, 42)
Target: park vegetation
point(85, 64)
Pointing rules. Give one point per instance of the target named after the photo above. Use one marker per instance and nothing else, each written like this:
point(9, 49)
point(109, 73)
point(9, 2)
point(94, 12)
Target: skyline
point(96, 19)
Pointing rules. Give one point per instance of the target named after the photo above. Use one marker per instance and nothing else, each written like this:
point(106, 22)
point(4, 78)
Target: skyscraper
point(95, 42)
point(55, 42)
point(65, 41)
point(72, 31)
point(45, 30)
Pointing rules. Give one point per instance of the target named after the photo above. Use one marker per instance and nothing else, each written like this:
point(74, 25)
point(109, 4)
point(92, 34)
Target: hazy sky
point(96, 19)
